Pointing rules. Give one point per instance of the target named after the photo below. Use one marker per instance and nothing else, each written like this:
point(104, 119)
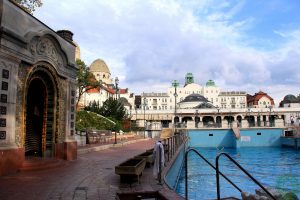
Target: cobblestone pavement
point(91, 176)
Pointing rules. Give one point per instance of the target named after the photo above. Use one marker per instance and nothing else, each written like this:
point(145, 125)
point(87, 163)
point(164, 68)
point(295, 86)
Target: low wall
point(290, 142)
point(173, 170)
point(81, 139)
point(226, 138)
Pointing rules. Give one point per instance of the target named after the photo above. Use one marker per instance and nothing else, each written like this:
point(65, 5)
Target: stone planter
point(148, 156)
point(131, 169)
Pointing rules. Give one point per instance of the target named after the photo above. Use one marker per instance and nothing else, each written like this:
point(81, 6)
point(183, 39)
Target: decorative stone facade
point(37, 93)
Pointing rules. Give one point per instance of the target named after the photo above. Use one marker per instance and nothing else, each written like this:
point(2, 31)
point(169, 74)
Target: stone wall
point(28, 46)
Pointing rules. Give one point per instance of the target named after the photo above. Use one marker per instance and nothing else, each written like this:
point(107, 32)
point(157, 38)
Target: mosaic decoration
point(2, 110)
point(3, 98)
point(5, 73)
point(4, 85)
point(2, 135)
point(2, 122)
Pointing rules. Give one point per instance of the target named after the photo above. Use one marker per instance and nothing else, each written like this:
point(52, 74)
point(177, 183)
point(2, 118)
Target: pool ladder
point(218, 173)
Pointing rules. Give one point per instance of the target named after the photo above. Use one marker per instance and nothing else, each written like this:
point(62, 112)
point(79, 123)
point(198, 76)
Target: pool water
point(272, 167)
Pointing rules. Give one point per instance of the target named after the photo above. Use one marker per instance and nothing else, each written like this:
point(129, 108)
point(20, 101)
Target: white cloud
point(147, 44)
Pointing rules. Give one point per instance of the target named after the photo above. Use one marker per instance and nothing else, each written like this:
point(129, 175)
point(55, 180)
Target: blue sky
point(243, 45)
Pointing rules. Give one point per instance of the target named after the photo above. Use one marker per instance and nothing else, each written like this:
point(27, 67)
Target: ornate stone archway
point(38, 83)
point(40, 110)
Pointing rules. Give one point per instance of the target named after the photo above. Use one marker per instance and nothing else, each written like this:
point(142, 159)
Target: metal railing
point(172, 144)
point(218, 173)
point(203, 158)
point(241, 168)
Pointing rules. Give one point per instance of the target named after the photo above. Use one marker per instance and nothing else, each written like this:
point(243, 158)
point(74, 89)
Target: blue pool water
point(273, 167)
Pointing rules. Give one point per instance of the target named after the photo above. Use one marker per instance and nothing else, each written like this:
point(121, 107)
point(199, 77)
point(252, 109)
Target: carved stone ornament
point(45, 47)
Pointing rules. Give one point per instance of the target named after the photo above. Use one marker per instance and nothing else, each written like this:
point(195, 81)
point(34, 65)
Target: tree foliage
point(93, 107)
point(29, 5)
point(85, 80)
point(86, 119)
point(113, 108)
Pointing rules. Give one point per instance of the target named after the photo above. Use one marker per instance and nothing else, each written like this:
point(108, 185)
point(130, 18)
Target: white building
point(99, 95)
point(162, 101)
point(232, 100)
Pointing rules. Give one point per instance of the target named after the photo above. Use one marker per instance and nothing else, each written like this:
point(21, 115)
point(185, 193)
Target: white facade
point(263, 102)
point(155, 101)
point(95, 95)
point(232, 100)
point(99, 95)
point(211, 92)
point(164, 101)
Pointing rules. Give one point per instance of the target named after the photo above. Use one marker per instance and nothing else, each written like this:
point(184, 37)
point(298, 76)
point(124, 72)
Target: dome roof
point(99, 66)
point(290, 98)
point(205, 105)
point(210, 83)
point(194, 97)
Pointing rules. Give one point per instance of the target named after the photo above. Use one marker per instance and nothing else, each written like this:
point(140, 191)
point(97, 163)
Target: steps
point(38, 163)
point(236, 132)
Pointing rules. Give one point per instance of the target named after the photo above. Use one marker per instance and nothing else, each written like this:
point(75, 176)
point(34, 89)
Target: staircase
point(236, 132)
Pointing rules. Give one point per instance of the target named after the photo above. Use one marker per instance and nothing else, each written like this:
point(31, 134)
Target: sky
point(243, 45)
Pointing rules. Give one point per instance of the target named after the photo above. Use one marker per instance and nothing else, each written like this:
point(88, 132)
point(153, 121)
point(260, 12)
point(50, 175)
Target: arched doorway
point(40, 115)
point(208, 121)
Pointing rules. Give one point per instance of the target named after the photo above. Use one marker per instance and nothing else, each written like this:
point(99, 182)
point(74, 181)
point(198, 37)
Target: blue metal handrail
point(186, 171)
point(241, 168)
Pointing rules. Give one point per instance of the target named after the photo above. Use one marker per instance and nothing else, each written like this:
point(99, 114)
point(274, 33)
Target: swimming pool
point(271, 166)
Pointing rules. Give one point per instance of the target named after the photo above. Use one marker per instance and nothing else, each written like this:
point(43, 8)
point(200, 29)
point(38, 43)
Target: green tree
point(114, 109)
point(85, 80)
point(29, 5)
point(93, 107)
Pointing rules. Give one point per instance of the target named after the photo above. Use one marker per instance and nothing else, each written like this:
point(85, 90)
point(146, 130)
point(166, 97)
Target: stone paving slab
point(91, 176)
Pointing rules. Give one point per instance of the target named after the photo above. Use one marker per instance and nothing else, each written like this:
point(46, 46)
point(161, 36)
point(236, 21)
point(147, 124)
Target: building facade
point(213, 94)
point(260, 100)
point(108, 88)
point(38, 88)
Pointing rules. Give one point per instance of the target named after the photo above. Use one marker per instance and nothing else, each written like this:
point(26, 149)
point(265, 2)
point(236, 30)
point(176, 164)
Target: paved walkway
point(91, 176)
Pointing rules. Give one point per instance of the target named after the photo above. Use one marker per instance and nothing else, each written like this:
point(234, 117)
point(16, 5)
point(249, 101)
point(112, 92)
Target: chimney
point(66, 34)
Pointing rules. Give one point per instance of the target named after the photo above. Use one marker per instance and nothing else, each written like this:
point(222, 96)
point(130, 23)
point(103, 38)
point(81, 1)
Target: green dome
point(210, 83)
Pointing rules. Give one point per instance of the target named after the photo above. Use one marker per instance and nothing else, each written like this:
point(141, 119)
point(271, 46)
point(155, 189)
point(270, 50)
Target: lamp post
point(144, 104)
point(130, 118)
point(175, 84)
point(116, 82)
point(117, 89)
